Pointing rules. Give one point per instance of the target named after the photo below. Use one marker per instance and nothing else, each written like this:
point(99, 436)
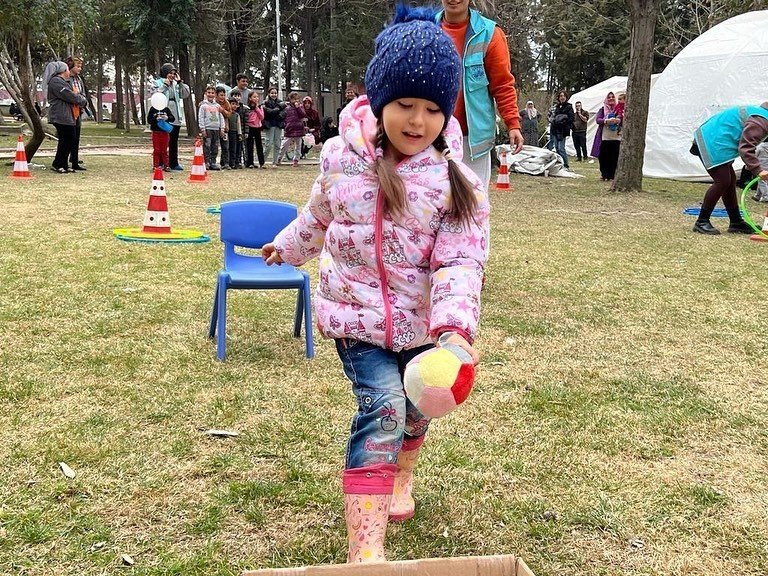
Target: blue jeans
point(384, 415)
point(560, 148)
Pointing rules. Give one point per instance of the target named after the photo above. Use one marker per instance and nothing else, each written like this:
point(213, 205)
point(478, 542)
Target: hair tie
point(378, 153)
point(447, 154)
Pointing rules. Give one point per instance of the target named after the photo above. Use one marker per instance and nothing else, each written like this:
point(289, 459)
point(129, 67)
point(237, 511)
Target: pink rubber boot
point(367, 494)
point(403, 506)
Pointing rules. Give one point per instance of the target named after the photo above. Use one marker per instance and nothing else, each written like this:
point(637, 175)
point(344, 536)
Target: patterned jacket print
point(396, 283)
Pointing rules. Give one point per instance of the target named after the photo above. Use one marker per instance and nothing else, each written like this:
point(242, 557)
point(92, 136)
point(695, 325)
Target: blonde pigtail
point(390, 183)
point(463, 199)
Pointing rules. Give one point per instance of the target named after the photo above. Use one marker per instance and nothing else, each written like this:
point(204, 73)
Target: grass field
point(619, 425)
point(92, 135)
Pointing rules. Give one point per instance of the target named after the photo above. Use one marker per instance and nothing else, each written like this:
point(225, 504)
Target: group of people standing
point(566, 121)
point(66, 104)
point(238, 122)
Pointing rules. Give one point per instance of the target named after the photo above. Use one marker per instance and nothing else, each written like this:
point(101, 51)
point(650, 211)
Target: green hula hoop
point(745, 214)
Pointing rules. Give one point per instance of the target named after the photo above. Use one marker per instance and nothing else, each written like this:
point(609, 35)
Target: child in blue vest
point(718, 142)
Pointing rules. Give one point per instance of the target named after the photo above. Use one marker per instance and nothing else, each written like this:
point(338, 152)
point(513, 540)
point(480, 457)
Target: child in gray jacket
point(212, 127)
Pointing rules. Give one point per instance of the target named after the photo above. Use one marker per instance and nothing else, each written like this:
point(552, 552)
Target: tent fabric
point(723, 67)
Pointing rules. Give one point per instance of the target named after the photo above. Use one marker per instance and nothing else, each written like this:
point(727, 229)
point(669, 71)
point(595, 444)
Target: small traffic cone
point(20, 166)
point(156, 218)
point(764, 236)
point(502, 181)
point(198, 172)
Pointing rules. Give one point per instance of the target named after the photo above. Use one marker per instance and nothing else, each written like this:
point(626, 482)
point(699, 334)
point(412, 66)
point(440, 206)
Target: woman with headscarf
point(529, 123)
point(62, 101)
point(607, 138)
point(734, 132)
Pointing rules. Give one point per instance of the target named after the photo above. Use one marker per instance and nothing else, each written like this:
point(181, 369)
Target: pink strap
point(376, 479)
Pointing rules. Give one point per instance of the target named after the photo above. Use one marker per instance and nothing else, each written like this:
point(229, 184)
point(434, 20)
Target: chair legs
point(221, 342)
point(218, 324)
point(214, 312)
point(298, 315)
point(307, 299)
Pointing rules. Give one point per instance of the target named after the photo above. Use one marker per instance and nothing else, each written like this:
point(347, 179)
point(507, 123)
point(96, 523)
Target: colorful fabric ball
point(438, 380)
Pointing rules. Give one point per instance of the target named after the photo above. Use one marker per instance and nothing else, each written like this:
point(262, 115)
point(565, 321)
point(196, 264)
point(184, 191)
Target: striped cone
point(156, 218)
point(764, 236)
point(20, 166)
point(198, 172)
point(502, 180)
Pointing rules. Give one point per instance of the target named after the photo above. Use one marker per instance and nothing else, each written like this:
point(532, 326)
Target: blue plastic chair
point(251, 224)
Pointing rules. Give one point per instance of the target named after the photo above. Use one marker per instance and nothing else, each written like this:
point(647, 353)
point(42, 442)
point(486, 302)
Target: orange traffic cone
point(764, 236)
point(20, 166)
point(156, 218)
point(198, 172)
point(502, 181)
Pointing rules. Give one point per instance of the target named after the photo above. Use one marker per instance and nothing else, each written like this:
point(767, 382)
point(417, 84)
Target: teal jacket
point(718, 138)
point(175, 93)
point(479, 105)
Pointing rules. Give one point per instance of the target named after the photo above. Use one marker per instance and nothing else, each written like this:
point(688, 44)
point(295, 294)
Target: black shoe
point(705, 227)
point(78, 168)
point(740, 227)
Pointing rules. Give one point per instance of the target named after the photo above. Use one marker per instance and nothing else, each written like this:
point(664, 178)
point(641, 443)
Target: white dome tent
point(723, 67)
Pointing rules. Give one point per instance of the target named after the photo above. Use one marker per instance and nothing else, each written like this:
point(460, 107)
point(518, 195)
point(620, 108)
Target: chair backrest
point(253, 223)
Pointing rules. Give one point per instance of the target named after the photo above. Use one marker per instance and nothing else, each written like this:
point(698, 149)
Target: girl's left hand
point(270, 255)
point(459, 341)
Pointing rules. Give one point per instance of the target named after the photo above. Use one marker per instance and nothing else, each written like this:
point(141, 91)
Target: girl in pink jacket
point(400, 226)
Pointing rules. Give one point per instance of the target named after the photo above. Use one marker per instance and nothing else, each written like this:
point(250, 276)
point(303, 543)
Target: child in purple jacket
point(294, 129)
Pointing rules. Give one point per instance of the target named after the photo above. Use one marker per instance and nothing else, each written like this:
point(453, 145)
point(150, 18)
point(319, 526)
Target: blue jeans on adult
point(274, 139)
point(560, 148)
point(384, 415)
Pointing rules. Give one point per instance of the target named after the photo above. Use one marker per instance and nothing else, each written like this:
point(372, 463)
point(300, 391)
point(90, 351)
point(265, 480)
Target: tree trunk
point(131, 98)
point(186, 75)
point(309, 58)
point(143, 94)
point(128, 103)
point(288, 66)
point(21, 85)
point(237, 40)
point(117, 110)
point(266, 68)
point(629, 172)
point(100, 89)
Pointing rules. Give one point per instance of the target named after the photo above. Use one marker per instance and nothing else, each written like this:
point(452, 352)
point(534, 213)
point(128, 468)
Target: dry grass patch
point(618, 425)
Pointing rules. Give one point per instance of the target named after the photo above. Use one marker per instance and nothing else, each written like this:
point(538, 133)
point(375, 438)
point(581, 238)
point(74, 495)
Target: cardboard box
point(506, 565)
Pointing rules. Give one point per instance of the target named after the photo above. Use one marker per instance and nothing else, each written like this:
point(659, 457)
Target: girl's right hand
point(270, 255)
point(764, 175)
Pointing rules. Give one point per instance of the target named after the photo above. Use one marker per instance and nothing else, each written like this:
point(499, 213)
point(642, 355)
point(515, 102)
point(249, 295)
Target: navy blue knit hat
point(414, 59)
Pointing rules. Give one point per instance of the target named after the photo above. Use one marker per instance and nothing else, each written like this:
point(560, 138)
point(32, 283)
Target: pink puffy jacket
point(394, 283)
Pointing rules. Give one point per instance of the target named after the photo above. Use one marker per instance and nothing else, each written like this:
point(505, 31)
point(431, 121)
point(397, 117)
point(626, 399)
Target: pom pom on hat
point(438, 380)
point(414, 58)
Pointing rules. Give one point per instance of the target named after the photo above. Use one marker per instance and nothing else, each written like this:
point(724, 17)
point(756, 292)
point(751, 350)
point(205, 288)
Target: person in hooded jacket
point(400, 226)
point(562, 122)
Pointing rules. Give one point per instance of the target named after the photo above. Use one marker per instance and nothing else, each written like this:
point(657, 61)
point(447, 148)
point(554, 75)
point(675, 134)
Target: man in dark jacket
point(562, 122)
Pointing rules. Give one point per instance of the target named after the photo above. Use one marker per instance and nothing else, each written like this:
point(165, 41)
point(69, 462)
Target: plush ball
point(438, 380)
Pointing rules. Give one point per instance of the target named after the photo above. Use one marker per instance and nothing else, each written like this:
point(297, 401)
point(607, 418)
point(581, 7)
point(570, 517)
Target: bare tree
point(629, 172)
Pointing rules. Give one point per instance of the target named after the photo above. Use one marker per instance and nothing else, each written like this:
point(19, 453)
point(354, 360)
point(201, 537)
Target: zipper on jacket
point(379, 232)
